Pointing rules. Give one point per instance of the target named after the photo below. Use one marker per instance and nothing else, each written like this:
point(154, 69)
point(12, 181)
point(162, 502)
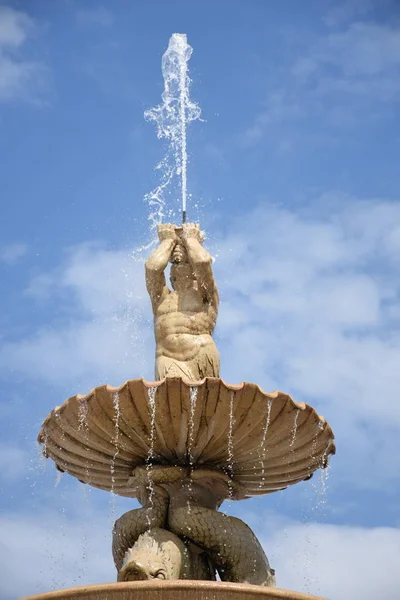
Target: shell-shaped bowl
point(263, 441)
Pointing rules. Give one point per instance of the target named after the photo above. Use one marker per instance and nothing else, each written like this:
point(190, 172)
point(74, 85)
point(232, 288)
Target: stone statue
point(179, 532)
point(160, 554)
point(197, 444)
point(184, 317)
point(186, 504)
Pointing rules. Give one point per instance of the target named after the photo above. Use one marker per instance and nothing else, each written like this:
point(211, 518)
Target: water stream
point(263, 441)
point(151, 394)
point(192, 408)
point(314, 511)
point(114, 457)
point(83, 566)
point(230, 445)
point(41, 462)
point(320, 488)
point(294, 428)
point(171, 118)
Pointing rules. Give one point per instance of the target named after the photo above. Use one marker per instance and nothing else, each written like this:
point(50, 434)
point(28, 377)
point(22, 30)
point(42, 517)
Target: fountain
point(184, 443)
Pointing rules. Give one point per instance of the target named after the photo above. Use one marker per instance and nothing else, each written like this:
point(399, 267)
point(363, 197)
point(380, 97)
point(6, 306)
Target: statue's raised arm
point(184, 317)
point(158, 261)
point(201, 262)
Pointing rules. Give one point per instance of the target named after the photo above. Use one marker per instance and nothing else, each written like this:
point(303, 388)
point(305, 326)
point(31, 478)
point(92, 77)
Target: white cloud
point(310, 305)
point(337, 562)
point(12, 253)
point(362, 60)
point(44, 552)
point(14, 462)
point(347, 10)
point(278, 108)
point(350, 74)
point(19, 78)
point(95, 16)
point(14, 27)
point(105, 328)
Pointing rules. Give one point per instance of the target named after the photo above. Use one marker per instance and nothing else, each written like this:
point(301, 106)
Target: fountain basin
point(173, 590)
point(263, 441)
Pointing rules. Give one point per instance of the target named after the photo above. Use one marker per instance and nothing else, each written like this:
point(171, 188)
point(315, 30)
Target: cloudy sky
point(293, 174)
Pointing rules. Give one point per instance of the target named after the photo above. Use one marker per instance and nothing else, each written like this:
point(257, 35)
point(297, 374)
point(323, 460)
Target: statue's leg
point(231, 544)
point(135, 522)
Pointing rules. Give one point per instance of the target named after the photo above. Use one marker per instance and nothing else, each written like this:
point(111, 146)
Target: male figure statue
point(185, 317)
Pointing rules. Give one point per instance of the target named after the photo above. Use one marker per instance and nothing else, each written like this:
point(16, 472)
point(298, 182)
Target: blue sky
point(293, 174)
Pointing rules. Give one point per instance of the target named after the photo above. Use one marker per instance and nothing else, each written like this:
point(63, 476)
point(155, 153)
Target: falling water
point(193, 400)
point(316, 507)
point(321, 488)
point(58, 479)
point(42, 455)
point(171, 118)
point(192, 408)
point(83, 567)
point(82, 414)
point(230, 444)
point(58, 416)
point(263, 441)
point(294, 428)
point(83, 427)
point(151, 394)
point(116, 446)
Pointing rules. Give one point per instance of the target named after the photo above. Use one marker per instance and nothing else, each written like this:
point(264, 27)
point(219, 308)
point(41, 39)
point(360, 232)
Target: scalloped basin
point(173, 590)
point(264, 441)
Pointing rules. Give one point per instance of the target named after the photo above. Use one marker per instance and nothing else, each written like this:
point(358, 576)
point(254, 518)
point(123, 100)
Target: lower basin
point(173, 590)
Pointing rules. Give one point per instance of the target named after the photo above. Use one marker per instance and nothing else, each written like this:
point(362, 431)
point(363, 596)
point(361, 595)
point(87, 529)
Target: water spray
point(172, 117)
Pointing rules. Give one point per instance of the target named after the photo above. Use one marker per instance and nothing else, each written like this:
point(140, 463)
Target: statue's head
point(181, 276)
point(147, 570)
point(157, 554)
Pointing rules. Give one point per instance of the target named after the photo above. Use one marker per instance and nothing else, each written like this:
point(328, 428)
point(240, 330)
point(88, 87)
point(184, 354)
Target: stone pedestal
point(173, 590)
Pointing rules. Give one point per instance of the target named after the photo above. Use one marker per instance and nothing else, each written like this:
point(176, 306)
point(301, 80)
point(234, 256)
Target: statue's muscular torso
point(183, 326)
point(184, 318)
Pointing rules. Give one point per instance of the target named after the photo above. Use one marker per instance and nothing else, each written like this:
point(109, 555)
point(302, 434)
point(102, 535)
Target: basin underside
point(173, 590)
point(263, 441)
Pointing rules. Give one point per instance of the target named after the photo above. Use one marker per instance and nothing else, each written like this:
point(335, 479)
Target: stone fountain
point(183, 444)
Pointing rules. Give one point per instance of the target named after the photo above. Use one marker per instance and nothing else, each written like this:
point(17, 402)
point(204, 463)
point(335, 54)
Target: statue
point(175, 504)
point(159, 554)
point(188, 441)
point(185, 317)
point(184, 443)
point(200, 539)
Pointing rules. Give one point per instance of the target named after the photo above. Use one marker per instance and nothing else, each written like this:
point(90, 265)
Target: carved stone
point(184, 317)
point(187, 441)
point(173, 590)
point(160, 554)
point(262, 441)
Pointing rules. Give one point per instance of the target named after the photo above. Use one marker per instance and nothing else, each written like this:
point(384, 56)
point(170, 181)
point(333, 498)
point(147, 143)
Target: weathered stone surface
point(264, 441)
point(173, 590)
point(160, 554)
point(224, 544)
point(186, 442)
point(184, 316)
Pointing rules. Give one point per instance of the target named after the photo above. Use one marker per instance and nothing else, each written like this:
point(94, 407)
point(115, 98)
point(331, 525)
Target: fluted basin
point(263, 441)
point(173, 590)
